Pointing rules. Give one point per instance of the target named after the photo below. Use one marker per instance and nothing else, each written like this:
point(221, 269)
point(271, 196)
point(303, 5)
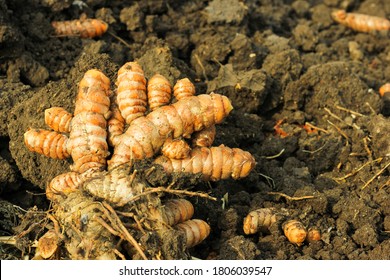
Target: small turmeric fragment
point(278, 130)
point(383, 89)
point(48, 244)
point(295, 231)
point(313, 234)
point(83, 28)
point(360, 22)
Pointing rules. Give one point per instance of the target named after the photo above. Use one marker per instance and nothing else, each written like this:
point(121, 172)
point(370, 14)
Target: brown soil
point(276, 60)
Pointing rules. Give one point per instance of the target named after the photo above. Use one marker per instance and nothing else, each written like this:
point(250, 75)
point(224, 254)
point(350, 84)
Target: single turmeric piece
point(384, 89)
point(83, 28)
point(131, 93)
point(88, 133)
point(176, 148)
point(313, 235)
point(177, 211)
point(215, 163)
point(183, 88)
point(195, 231)
point(49, 143)
point(295, 231)
point(63, 184)
point(117, 187)
point(47, 244)
point(159, 91)
point(205, 137)
point(58, 119)
point(360, 22)
point(66, 183)
point(259, 219)
point(116, 123)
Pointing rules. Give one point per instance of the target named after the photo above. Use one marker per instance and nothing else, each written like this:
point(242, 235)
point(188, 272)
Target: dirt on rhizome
point(306, 105)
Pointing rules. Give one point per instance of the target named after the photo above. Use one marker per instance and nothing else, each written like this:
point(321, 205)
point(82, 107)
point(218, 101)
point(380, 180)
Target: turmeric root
point(117, 187)
point(159, 91)
point(183, 88)
point(83, 28)
point(295, 231)
point(86, 200)
point(131, 94)
point(63, 184)
point(87, 237)
point(178, 211)
point(195, 231)
point(384, 89)
point(116, 123)
point(176, 148)
point(361, 22)
point(213, 163)
point(66, 183)
point(47, 244)
point(49, 143)
point(58, 119)
point(145, 136)
point(258, 219)
point(87, 139)
point(204, 138)
point(313, 235)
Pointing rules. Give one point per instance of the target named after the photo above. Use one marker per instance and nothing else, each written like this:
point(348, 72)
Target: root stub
point(195, 231)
